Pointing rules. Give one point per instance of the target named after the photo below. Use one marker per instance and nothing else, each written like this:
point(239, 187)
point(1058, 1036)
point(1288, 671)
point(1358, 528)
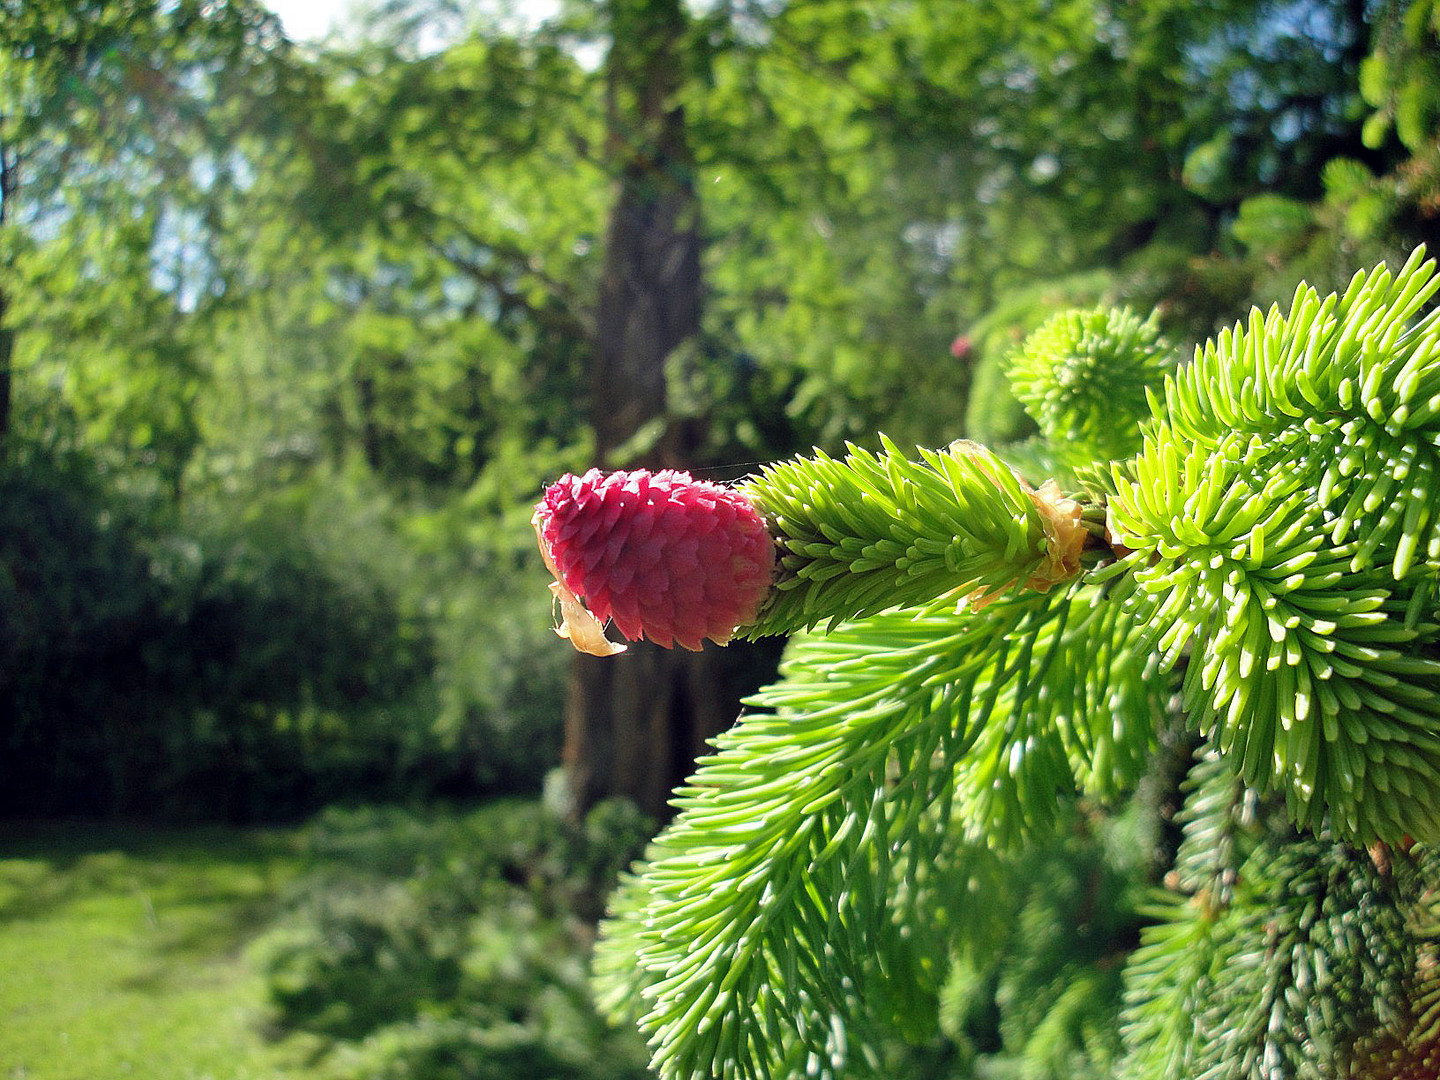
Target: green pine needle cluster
point(874, 531)
point(853, 805)
point(1082, 377)
point(1047, 991)
point(1260, 577)
point(1253, 967)
point(1347, 389)
point(1283, 515)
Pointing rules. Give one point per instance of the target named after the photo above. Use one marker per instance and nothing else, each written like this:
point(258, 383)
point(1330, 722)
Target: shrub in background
point(221, 667)
point(451, 947)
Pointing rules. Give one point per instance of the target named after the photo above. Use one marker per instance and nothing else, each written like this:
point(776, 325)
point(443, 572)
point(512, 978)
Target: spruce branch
point(1079, 717)
point(1409, 1049)
point(878, 530)
point(992, 651)
point(769, 893)
point(1083, 375)
point(1049, 988)
point(1281, 956)
point(1348, 388)
point(1276, 530)
point(817, 827)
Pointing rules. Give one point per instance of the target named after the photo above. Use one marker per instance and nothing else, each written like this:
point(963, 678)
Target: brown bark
point(635, 723)
point(650, 288)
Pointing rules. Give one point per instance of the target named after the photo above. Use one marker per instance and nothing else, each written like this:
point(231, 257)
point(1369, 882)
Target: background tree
point(631, 729)
point(117, 132)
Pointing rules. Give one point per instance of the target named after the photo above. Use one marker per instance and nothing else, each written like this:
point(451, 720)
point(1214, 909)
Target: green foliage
point(1272, 579)
point(1082, 376)
point(324, 322)
point(87, 84)
point(1400, 77)
point(747, 822)
point(436, 947)
point(198, 669)
point(845, 789)
point(1274, 224)
point(120, 133)
point(886, 531)
point(1043, 1000)
point(1283, 515)
point(96, 333)
point(420, 246)
point(241, 267)
point(993, 415)
point(1254, 967)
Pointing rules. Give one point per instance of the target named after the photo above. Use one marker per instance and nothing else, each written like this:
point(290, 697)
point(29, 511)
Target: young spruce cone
point(666, 557)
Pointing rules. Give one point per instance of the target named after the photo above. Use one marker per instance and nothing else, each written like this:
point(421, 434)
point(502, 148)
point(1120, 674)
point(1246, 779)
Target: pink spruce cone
point(667, 557)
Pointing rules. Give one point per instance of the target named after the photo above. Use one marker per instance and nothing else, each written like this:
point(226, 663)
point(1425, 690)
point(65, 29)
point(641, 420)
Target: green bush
point(210, 669)
point(441, 947)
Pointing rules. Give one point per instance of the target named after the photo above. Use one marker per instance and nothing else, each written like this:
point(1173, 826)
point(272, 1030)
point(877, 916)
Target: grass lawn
point(122, 952)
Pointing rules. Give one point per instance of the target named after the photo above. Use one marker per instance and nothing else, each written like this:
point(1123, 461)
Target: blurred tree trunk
point(8, 184)
point(650, 283)
point(634, 724)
